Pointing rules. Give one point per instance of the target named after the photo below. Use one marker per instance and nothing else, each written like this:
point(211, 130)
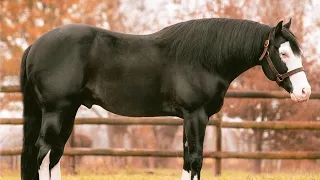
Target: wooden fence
point(218, 155)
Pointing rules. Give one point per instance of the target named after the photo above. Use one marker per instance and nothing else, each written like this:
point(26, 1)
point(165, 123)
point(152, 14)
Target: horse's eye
point(284, 54)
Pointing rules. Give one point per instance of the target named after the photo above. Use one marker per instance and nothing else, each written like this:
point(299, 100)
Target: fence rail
point(175, 153)
point(171, 121)
point(218, 155)
point(230, 93)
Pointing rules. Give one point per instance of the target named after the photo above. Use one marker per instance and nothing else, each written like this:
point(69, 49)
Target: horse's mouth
point(299, 98)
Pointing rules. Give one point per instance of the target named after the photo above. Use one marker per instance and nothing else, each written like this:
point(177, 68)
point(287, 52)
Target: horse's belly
point(129, 98)
point(133, 106)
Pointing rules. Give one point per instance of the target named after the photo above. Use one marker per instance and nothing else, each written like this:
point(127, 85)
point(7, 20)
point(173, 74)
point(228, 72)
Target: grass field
point(171, 175)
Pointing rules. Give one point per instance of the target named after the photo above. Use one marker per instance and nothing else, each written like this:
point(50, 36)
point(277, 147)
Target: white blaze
point(300, 84)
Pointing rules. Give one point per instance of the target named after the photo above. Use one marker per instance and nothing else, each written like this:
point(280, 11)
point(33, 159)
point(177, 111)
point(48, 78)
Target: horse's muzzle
point(303, 96)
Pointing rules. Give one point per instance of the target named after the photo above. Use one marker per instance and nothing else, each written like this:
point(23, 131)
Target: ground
point(157, 174)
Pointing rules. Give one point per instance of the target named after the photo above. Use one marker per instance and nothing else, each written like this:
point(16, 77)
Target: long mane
point(212, 41)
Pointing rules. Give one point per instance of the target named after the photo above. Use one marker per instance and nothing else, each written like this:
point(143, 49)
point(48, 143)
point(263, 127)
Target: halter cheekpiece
point(266, 54)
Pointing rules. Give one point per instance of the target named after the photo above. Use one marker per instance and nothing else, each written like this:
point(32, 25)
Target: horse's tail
point(31, 124)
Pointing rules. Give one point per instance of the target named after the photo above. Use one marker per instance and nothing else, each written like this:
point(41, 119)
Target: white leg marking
point(44, 168)
point(55, 172)
point(195, 177)
point(186, 175)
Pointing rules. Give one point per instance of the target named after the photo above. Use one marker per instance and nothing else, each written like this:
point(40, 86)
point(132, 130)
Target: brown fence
point(170, 121)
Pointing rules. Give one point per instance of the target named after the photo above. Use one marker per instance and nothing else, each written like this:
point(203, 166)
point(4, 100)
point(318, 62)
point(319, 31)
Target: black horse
point(183, 70)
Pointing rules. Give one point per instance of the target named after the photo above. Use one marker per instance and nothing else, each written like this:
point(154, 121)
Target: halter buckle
point(279, 78)
point(266, 43)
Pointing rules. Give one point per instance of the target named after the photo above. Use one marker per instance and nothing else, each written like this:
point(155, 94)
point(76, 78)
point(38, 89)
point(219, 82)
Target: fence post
point(218, 144)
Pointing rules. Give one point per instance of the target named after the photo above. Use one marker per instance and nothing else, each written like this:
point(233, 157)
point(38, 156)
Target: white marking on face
point(44, 168)
point(300, 84)
point(186, 175)
point(55, 172)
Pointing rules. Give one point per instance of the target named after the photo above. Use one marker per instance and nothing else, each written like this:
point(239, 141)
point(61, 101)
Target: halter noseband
point(279, 77)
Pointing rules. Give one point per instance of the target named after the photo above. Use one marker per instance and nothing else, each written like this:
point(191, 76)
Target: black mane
point(212, 41)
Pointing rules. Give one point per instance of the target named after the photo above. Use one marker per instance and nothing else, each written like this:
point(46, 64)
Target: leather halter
point(266, 54)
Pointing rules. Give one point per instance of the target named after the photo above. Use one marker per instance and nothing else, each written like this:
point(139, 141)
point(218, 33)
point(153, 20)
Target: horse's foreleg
point(55, 130)
point(195, 125)
point(186, 173)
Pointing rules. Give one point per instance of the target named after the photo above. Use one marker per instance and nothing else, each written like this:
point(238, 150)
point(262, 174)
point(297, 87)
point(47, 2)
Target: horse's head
point(281, 62)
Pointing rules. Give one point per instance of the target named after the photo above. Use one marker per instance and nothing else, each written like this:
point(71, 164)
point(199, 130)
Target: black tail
point(31, 125)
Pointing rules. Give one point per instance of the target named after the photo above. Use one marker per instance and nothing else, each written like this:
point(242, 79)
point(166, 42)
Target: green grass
point(172, 175)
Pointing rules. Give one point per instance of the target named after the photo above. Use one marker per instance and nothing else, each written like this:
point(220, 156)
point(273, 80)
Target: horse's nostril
point(306, 91)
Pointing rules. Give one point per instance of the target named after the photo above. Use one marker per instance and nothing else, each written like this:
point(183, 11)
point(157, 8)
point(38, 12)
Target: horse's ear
point(278, 28)
point(288, 24)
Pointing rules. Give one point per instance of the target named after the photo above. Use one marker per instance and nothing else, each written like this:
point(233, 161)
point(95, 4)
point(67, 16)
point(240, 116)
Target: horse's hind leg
point(56, 127)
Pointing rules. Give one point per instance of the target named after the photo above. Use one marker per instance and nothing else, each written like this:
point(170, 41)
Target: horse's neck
point(233, 67)
point(237, 69)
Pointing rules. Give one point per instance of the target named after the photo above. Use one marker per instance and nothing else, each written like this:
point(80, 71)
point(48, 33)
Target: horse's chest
point(214, 105)
point(199, 88)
